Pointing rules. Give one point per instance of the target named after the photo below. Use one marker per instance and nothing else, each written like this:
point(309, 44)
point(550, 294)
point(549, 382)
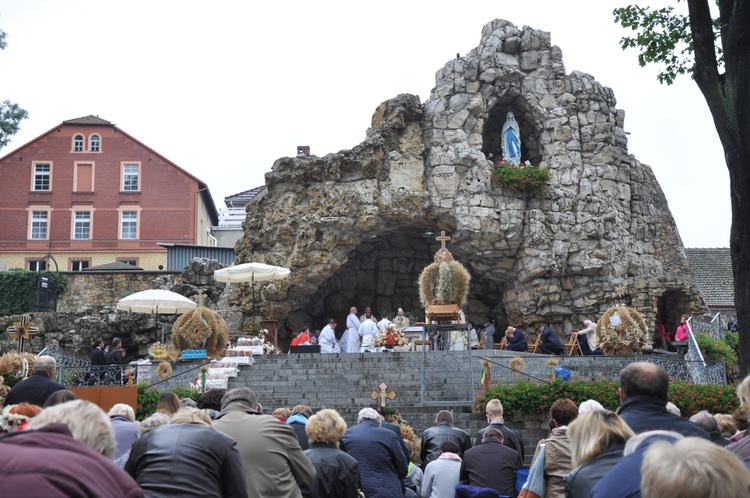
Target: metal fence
point(76, 371)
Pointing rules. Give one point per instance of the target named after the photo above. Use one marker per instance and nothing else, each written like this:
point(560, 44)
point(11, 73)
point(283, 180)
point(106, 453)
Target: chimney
point(303, 150)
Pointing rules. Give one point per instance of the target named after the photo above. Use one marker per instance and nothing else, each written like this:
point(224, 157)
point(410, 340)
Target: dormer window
point(94, 143)
point(78, 143)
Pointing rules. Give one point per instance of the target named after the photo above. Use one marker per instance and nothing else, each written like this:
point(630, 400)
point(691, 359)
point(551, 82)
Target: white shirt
point(382, 324)
point(327, 341)
point(367, 331)
point(350, 339)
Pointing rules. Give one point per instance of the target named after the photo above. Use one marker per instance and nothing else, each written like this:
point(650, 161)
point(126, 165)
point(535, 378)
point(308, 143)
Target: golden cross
point(382, 394)
point(443, 238)
point(22, 331)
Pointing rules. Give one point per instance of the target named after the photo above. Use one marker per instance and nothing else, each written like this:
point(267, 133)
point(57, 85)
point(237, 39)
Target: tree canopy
point(713, 47)
point(10, 114)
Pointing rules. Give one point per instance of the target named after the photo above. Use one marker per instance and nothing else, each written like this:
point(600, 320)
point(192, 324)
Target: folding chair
point(534, 347)
point(573, 347)
point(501, 345)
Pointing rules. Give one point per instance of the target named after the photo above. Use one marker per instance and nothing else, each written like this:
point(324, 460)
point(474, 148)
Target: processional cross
point(382, 394)
point(443, 239)
point(200, 297)
point(22, 331)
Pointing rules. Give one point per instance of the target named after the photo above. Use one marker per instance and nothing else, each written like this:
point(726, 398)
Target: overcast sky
point(225, 88)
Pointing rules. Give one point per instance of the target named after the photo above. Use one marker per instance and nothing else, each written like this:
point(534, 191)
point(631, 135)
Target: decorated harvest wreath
point(201, 328)
point(622, 329)
point(444, 282)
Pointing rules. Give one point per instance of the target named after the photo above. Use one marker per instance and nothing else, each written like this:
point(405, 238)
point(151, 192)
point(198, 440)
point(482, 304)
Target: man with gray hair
point(382, 463)
point(122, 419)
point(275, 465)
point(36, 388)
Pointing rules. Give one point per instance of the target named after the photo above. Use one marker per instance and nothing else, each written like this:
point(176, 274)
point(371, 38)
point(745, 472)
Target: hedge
point(530, 400)
point(16, 290)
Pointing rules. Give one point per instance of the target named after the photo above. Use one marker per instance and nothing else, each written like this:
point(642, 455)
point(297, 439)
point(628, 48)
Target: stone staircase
point(344, 382)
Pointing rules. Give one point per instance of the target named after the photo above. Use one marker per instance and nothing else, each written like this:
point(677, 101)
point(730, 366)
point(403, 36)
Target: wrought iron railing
point(702, 372)
point(75, 370)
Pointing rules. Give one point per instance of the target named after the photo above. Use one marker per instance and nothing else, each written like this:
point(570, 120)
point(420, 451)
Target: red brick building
point(90, 194)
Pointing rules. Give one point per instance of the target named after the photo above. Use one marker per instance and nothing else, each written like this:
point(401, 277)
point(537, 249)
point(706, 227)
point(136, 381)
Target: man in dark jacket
point(491, 464)
point(391, 427)
point(116, 355)
point(516, 339)
point(97, 354)
point(511, 438)
point(644, 392)
point(382, 465)
point(550, 343)
point(187, 458)
point(38, 386)
point(444, 430)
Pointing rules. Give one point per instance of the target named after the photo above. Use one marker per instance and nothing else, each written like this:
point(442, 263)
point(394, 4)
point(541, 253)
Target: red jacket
point(49, 462)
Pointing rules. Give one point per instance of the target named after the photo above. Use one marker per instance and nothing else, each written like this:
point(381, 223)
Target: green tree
point(10, 114)
point(716, 52)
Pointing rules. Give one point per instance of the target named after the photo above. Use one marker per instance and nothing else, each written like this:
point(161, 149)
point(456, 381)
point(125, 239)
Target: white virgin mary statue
point(511, 143)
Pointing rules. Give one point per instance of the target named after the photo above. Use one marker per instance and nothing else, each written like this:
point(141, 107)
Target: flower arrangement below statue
point(390, 337)
point(524, 178)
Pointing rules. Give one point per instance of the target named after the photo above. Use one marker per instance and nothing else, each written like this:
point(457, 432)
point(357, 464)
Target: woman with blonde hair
point(336, 473)
point(597, 441)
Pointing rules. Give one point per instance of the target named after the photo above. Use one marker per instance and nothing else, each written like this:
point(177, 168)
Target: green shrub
point(148, 398)
point(733, 339)
point(526, 399)
point(716, 350)
point(524, 178)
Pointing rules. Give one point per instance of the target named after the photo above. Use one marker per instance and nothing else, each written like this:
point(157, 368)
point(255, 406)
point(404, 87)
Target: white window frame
point(95, 143)
point(130, 170)
point(79, 264)
point(41, 176)
point(39, 264)
point(78, 142)
point(81, 223)
point(37, 222)
point(131, 218)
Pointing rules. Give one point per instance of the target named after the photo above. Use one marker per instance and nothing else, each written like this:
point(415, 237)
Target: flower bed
point(524, 178)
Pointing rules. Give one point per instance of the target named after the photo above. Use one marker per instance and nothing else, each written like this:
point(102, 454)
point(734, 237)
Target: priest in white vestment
point(401, 321)
point(350, 339)
point(327, 339)
point(367, 331)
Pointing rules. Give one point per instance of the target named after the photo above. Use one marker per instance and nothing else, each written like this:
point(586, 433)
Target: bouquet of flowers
point(390, 337)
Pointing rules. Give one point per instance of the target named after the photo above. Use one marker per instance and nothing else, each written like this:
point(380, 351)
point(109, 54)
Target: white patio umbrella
point(156, 301)
point(251, 272)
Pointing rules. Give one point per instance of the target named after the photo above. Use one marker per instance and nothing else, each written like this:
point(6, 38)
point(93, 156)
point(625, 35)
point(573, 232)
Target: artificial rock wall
point(357, 227)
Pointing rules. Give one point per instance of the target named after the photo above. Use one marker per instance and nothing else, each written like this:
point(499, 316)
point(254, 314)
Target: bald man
point(38, 386)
